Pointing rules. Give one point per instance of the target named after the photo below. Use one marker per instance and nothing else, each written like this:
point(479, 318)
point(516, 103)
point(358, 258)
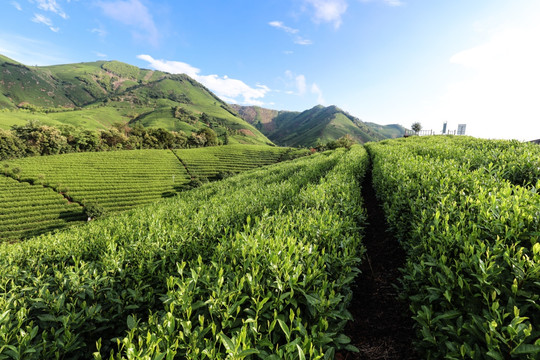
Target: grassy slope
point(200, 101)
point(107, 92)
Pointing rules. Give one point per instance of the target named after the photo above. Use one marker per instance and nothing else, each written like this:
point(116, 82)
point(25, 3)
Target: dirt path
point(382, 328)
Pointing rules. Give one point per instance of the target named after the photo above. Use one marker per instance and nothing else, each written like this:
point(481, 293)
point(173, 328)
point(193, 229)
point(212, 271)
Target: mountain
point(391, 131)
point(318, 125)
point(96, 95)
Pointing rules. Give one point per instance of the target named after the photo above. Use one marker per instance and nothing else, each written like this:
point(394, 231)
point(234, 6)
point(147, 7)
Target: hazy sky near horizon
point(474, 62)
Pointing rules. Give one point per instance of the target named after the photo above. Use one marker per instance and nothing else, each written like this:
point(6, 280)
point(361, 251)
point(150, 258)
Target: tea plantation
point(257, 265)
point(262, 265)
point(467, 212)
point(112, 181)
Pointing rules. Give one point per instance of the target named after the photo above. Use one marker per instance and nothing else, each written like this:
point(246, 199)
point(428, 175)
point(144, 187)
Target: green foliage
point(210, 162)
point(208, 136)
point(467, 211)
point(93, 210)
point(416, 127)
point(116, 180)
point(345, 141)
point(41, 139)
point(199, 275)
point(11, 146)
point(34, 138)
point(28, 211)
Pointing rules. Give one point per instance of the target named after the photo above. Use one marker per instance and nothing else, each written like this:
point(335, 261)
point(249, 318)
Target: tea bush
point(468, 213)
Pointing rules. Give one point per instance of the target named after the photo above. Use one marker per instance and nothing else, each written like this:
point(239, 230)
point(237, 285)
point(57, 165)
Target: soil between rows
point(382, 327)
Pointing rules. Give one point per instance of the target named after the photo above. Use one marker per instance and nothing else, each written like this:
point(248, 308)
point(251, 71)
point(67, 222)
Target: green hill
point(318, 125)
point(95, 95)
point(391, 131)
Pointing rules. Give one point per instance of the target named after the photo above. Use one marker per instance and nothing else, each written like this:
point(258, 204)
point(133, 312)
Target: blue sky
point(474, 62)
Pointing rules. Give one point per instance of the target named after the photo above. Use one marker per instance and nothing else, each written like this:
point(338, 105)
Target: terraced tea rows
point(114, 180)
point(121, 180)
point(211, 161)
point(28, 210)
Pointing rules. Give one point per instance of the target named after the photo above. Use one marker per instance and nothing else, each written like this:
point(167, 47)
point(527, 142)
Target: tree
point(209, 135)
point(416, 127)
point(11, 147)
point(180, 139)
point(164, 138)
point(41, 139)
point(113, 139)
point(93, 210)
point(346, 141)
point(86, 140)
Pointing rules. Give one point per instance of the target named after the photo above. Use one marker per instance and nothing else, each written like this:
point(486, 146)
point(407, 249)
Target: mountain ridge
point(96, 95)
point(315, 126)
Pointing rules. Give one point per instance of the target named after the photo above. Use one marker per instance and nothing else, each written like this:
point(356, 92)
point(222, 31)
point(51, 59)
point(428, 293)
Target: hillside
point(318, 125)
point(95, 95)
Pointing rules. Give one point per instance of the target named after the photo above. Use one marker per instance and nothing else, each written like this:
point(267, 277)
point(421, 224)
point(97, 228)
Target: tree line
point(35, 138)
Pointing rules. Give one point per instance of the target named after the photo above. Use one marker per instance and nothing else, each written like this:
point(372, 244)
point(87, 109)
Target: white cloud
point(298, 82)
point(173, 67)
point(297, 39)
point(100, 31)
point(301, 41)
point(329, 11)
point(100, 55)
point(300, 85)
point(226, 88)
point(135, 14)
point(16, 5)
point(317, 91)
point(499, 96)
point(332, 11)
point(42, 19)
point(280, 25)
point(393, 2)
point(51, 5)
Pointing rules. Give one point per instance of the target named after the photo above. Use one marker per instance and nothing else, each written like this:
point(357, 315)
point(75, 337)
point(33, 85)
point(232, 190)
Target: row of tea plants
point(211, 162)
point(468, 213)
point(27, 210)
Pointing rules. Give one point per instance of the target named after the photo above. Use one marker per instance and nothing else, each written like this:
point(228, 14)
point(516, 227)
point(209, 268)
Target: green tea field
point(257, 265)
point(412, 248)
point(113, 181)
